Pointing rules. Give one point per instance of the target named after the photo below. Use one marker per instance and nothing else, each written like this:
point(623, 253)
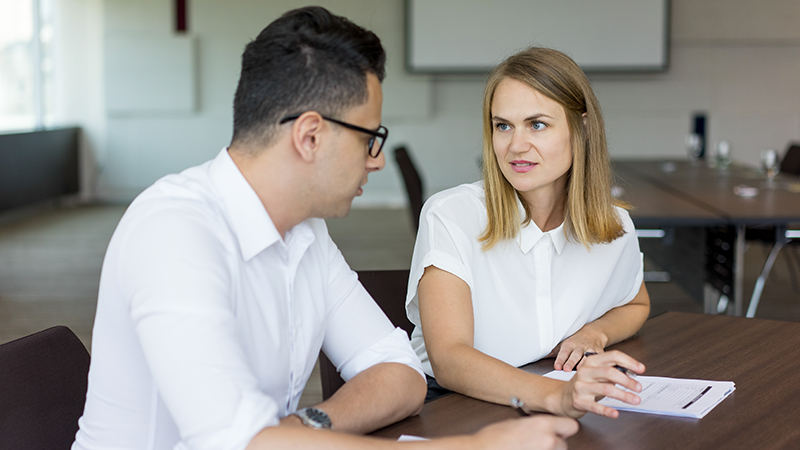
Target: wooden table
point(761, 356)
point(681, 193)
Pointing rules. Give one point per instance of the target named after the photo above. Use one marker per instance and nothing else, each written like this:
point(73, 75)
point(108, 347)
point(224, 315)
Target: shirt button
point(546, 238)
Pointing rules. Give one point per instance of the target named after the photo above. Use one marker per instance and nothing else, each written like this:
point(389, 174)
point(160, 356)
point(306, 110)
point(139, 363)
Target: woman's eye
point(538, 125)
point(502, 127)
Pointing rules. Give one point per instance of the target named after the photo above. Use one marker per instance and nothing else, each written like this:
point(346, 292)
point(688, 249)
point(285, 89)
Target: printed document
point(668, 396)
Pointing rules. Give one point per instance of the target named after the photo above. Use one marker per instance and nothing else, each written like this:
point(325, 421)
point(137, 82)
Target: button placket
point(544, 304)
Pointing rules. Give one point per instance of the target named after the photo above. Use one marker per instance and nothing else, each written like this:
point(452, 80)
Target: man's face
point(347, 163)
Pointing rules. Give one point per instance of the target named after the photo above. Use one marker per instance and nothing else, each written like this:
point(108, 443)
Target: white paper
point(681, 397)
point(408, 437)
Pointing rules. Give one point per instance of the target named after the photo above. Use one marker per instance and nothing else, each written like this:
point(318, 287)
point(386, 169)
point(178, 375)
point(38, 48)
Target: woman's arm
point(614, 326)
point(448, 329)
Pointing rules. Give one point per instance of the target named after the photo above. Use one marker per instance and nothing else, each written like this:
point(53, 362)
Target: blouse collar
point(530, 234)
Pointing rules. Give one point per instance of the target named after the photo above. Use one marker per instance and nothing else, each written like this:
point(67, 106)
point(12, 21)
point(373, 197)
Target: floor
point(50, 262)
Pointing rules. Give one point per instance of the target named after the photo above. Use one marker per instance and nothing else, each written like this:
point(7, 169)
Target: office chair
point(779, 237)
point(791, 159)
point(388, 288)
point(43, 380)
point(413, 183)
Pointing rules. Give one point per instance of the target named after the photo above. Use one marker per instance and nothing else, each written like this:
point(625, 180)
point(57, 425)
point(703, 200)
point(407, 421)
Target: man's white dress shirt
point(529, 293)
point(208, 323)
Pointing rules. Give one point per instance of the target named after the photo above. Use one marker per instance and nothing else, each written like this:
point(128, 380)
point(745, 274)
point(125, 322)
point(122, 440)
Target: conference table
point(721, 203)
point(761, 356)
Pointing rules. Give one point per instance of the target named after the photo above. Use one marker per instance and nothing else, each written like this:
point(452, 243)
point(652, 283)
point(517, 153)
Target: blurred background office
point(150, 85)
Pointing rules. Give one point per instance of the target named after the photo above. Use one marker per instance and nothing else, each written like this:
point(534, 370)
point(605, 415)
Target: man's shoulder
point(187, 196)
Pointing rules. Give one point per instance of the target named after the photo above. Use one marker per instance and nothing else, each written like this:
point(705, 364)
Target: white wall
point(78, 80)
point(736, 60)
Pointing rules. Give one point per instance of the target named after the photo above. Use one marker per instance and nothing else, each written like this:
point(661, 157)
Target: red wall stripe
point(181, 25)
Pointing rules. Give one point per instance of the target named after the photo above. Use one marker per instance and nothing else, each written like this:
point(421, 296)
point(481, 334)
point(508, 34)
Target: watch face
point(315, 418)
point(317, 415)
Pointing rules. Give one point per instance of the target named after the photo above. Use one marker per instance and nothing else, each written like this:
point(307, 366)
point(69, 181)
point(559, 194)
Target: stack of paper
point(669, 396)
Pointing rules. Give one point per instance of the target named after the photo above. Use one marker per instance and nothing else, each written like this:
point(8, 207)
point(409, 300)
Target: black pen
point(627, 372)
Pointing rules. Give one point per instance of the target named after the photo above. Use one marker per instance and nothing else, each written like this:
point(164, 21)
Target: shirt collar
point(248, 218)
point(530, 234)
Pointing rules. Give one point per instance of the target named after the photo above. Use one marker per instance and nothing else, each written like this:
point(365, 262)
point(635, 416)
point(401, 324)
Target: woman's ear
point(307, 135)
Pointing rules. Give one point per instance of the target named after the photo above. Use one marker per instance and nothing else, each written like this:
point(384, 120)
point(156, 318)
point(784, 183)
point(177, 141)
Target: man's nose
point(376, 164)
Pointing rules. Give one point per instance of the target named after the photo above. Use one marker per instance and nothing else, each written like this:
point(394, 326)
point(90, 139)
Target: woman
point(536, 260)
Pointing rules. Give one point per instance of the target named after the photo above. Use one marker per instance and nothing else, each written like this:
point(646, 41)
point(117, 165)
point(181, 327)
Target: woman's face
point(531, 140)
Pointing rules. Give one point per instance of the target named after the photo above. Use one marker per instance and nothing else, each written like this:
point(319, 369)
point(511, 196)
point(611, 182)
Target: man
point(221, 284)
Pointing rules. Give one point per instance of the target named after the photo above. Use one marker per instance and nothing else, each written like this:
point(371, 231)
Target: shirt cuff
point(392, 348)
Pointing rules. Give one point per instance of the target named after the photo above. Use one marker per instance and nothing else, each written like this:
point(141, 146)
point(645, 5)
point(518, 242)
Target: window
point(26, 63)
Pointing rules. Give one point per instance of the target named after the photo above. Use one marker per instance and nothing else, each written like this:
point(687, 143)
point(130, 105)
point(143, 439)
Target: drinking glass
point(693, 146)
point(723, 155)
point(769, 164)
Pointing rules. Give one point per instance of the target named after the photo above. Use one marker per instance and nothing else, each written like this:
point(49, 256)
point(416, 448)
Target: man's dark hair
point(307, 60)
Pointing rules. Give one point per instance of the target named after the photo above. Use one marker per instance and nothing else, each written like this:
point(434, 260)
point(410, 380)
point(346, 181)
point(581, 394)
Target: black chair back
point(413, 182)
point(388, 288)
point(791, 159)
point(43, 380)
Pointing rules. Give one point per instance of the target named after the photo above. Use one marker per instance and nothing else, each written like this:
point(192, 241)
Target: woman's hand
point(597, 378)
point(570, 351)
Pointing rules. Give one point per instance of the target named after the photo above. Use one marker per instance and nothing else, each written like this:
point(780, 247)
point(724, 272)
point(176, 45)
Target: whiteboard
point(457, 36)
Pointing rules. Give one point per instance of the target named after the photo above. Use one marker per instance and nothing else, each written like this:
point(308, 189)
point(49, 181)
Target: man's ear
point(307, 131)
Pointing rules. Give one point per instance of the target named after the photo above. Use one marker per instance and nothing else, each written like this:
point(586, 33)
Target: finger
point(583, 356)
point(617, 357)
point(573, 360)
point(611, 413)
point(564, 426)
point(588, 404)
point(611, 391)
point(610, 375)
point(563, 355)
point(607, 376)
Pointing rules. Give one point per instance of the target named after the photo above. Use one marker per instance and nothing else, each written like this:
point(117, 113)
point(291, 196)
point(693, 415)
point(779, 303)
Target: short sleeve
point(177, 285)
point(632, 260)
point(449, 225)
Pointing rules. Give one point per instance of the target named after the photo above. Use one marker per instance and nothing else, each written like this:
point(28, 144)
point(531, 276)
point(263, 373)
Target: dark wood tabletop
point(761, 356)
point(651, 205)
point(712, 190)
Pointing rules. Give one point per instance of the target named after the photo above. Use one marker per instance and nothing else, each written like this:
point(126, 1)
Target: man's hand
point(541, 432)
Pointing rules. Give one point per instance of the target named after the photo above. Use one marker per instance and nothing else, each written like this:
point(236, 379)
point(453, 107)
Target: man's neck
point(272, 176)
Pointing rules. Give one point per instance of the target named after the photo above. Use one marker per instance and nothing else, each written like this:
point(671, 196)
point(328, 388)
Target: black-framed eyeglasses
point(377, 140)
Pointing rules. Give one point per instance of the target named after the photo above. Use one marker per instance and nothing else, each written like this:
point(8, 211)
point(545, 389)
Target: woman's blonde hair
point(590, 217)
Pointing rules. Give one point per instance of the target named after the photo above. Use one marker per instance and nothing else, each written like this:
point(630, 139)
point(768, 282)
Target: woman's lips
point(522, 166)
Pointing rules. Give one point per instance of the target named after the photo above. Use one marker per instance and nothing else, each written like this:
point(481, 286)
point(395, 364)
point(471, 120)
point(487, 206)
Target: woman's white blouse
point(528, 294)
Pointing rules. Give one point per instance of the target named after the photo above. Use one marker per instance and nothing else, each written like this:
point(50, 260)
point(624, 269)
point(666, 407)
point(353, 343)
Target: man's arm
point(385, 382)
point(541, 432)
point(379, 396)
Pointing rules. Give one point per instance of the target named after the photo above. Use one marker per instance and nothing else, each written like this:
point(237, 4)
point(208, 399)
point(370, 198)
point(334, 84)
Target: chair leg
point(762, 279)
point(794, 267)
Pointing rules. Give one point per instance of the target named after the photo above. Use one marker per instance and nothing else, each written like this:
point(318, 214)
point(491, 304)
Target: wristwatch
point(314, 418)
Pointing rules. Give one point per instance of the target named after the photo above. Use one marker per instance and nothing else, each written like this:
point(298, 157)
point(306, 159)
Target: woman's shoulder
point(463, 206)
point(469, 195)
point(625, 219)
